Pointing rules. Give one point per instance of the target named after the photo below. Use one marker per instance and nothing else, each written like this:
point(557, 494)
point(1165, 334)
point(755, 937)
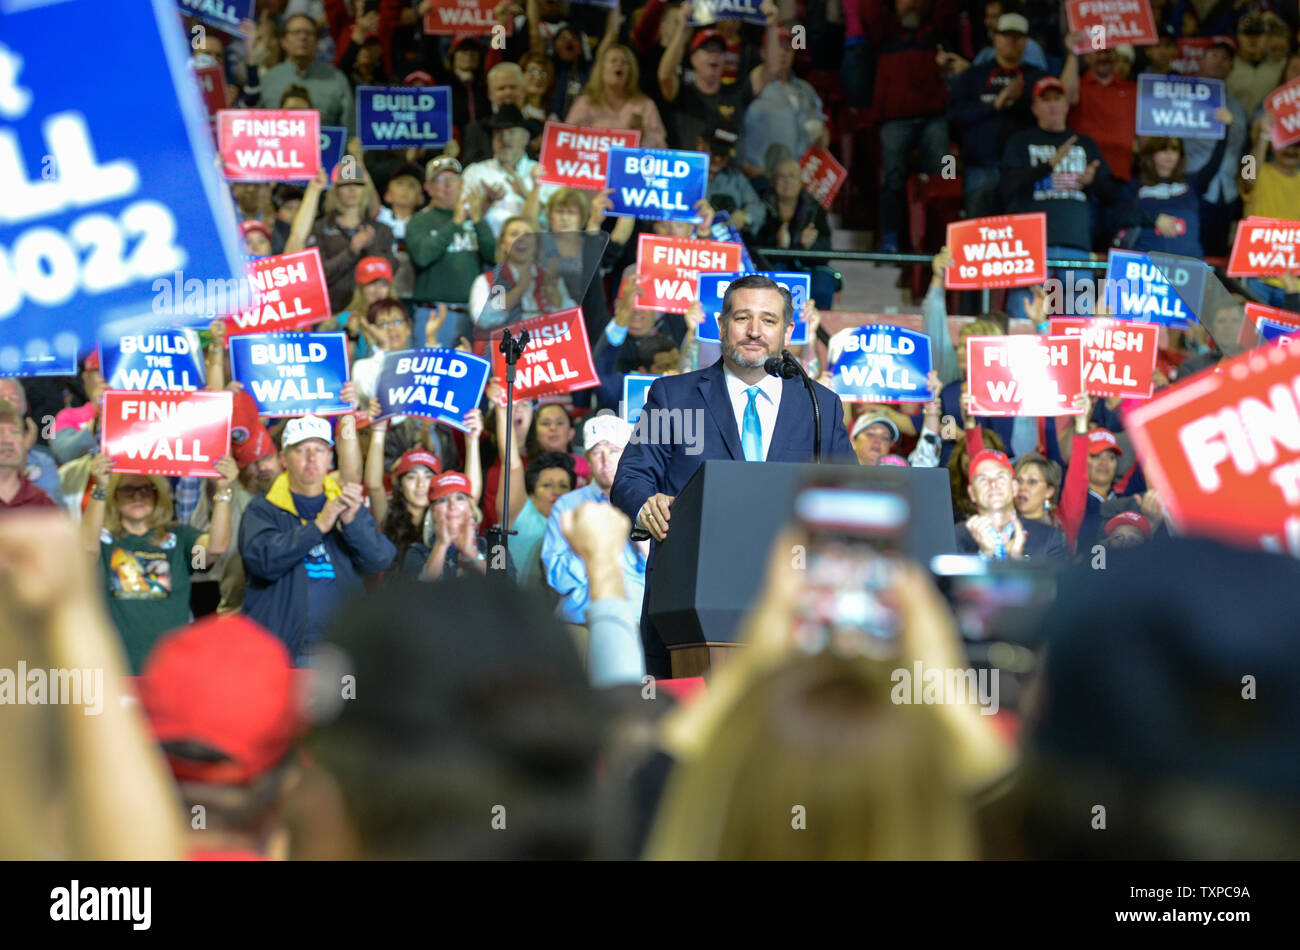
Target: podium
point(713, 564)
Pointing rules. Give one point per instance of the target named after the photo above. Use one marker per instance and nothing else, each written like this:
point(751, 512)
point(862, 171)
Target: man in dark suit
point(736, 411)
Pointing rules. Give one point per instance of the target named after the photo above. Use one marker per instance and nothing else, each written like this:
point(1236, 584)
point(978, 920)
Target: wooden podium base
point(700, 660)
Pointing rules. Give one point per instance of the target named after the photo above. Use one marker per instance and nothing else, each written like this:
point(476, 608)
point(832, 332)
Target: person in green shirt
point(145, 556)
point(449, 244)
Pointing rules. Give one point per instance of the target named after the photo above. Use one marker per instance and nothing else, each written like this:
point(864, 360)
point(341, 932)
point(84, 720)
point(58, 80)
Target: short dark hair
point(651, 346)
point(295, 92)
point(757, 282)
point(383, 305)
point(542, 462)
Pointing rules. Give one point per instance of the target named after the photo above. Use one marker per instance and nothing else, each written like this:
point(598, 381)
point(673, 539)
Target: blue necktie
point(751, 430)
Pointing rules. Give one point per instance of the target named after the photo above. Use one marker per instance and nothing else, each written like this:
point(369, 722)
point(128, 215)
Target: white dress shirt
point(768, 403)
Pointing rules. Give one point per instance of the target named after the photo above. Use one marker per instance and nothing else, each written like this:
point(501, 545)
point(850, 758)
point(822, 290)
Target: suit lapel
point(713, 387)
point(793, 424)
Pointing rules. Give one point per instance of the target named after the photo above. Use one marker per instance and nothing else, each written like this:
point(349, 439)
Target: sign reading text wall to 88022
point(1007, 250)
point(96, 203)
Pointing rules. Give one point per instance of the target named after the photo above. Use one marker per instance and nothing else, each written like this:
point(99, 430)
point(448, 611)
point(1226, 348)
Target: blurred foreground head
point(473, 732)
point(1170, 702)
point(815, 762)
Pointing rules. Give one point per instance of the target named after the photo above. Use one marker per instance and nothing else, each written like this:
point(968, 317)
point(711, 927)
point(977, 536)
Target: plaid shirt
point(186, 497)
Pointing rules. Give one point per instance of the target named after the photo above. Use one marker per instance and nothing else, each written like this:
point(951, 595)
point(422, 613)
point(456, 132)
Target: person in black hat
point(507, 178)
point(463, 72)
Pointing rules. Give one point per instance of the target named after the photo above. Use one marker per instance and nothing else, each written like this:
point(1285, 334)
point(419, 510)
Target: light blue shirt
point(530, 531)
point(1223, 187)
point(565, 571)
point(1034, 55)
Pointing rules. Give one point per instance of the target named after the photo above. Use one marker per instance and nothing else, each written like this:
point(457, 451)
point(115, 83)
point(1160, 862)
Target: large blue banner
point(1139, 289)
point(404, 116)
point(1181, 106)
point(880, 363)
point(657, 184)
point(713, 286)
point(436, 382)
point(292, 374)
point(223, 14)
point(635, 388)
point(166, 358)
point(102, 193)
point(704, 12)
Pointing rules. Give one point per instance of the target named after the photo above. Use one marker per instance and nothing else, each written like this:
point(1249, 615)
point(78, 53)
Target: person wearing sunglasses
point(146, 557)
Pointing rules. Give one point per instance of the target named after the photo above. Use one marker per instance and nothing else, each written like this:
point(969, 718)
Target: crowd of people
point(368, 587)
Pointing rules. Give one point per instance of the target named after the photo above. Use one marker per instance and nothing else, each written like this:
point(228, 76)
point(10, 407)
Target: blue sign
point(657, 184)
point(292, 374)
point(1269, 331)
point(1164, 291)
point(404, 116)
point(705, 12)
point(223, 14)
point(439, 383)
point(713, 286)
point(40, 363)
point(166, 358)
point(880, 363)
point(721, 229)
point(97, 205)
point(1181, 106)
point(635, 388)
point(333, 139)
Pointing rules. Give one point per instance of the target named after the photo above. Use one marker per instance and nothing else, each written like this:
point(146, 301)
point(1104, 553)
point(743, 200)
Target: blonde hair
point(875, 778)
point(163, 511)
point(573, 198)
point(595, 89)
point(979, 327)
point(502, 247)
point(332, 202)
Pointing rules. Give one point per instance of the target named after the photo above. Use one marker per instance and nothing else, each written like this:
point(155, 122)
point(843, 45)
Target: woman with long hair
point(1163, 206)
point(613, 99)
point(146, 556)
point(529, 286)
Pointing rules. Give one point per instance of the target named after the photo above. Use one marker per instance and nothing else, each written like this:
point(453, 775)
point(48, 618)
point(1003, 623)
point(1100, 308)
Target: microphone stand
point(511, 348)
point(787, 367)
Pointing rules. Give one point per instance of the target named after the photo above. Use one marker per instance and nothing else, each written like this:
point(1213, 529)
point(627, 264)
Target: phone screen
point(854, 539)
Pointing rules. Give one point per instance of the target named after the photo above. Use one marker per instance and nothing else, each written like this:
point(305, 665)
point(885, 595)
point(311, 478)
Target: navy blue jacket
point(274, 542)
point(985, 130)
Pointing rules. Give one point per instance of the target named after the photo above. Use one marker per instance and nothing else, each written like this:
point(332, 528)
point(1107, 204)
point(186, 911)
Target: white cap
point(304, 428)
point(1012, 23)
point(605, 427)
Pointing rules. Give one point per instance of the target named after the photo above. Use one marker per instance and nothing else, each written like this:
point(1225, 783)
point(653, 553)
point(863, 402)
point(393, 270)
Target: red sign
point(1024, 374)
point(574, 156)
point(1190, 51)
point(1007, 250)
point(822, 175)
point(1223, 449)
point(1283, 104)
point(1249, 334)
point(1119, 356)
point(1264, 247)
point(1106, 24)
point(450, 17)
point(269, 144)
point(670, 267)
point(212, 86)
point(557, 359)
point(288, 292)
point(166, 431)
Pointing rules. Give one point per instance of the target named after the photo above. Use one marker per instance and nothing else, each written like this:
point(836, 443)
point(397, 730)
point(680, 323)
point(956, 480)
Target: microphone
point(787, 367)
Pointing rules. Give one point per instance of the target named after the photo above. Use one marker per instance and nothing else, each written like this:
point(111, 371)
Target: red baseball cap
point(1133, 518)
point(707, 36)
point(1047, 84)
point(418, 78)
point(417, 456)
point(989, 455)
point(249, 225)
point(449, 483)
point(1103, 440)
point(249, 440)
point(226, 683)
point(371, 269)
point(91, 362)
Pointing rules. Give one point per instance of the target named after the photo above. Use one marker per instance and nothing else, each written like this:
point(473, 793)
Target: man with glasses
point(450, 244)
point(331, 93)
point(995, 531)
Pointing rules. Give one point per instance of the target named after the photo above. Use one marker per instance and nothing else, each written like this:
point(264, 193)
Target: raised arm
point(305, 218)
point(669, 83)
point(374, 475)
